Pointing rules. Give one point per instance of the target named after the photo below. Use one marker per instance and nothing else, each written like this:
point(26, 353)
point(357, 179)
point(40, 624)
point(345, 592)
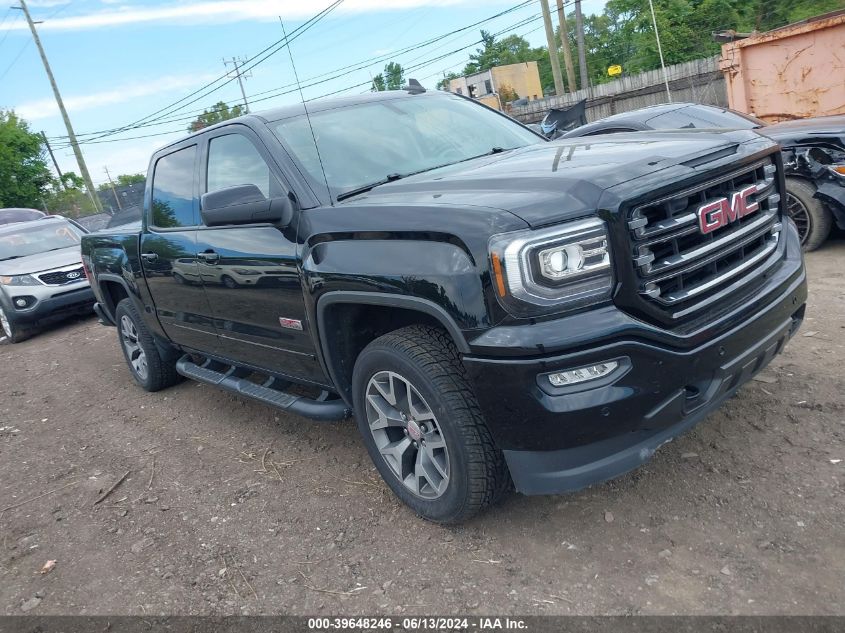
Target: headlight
point(838, 170)
point(554, 269)
point(19, 280)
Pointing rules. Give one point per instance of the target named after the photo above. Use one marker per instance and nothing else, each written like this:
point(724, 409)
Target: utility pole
point(55, 164)
point(582, 55)
point(550, 40)
point(116, 198)
point(80, 160)
point(660, 51)
point(567, 51)
point(237, 65)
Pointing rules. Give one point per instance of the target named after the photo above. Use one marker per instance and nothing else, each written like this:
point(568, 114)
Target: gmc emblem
point(714, 215)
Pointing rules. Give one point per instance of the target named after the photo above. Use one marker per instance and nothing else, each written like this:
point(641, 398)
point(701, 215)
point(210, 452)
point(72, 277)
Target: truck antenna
point(305, 107)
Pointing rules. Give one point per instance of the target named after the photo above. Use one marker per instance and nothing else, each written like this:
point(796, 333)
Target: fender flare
point(416, 304)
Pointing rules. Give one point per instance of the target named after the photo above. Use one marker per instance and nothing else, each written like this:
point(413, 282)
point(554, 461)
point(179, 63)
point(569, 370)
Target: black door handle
point(149, 257)
point(209, 257)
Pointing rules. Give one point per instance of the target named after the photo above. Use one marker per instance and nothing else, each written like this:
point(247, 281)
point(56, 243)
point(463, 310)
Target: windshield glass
point(30, 239)
point(366, 143)
point(704, 117)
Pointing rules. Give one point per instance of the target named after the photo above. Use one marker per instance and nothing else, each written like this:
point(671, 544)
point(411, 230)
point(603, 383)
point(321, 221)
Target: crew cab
point(492, 308)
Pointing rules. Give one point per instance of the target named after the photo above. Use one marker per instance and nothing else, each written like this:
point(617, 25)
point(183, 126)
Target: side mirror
point(244, 204)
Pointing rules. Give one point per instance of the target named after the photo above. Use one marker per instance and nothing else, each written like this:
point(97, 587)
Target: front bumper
point(58, 303)
point(559, 440)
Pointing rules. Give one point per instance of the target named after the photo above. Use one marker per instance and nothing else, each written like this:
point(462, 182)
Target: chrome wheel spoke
point(386, 414)
point(407, 434)
point(134, 352)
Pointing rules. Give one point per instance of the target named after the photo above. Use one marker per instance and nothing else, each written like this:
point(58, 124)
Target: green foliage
point(68, 197)
point(24, 175)
point(623, 34)
point(130, 179)
point(123, 180)
point(220, 112)
point(507, 93)
point(393, 78)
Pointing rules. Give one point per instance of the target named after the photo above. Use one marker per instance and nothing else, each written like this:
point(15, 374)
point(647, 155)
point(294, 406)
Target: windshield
point(370, 143)
point(8, 216)
point(704, 117)
point(31, 239)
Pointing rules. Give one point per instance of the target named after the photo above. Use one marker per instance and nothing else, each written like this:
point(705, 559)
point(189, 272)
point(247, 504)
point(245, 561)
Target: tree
point(220, 112)
point(123, 180)
point(393, 78)
point(68, 196)
point(24, 175)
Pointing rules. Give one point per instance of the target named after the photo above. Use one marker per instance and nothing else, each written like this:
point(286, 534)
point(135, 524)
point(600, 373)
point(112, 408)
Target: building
point(522, 79)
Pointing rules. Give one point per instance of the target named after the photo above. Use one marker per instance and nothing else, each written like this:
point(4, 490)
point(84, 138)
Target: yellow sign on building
point(614, 70)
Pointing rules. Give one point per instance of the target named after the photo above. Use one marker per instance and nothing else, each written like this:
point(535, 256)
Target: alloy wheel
point(134, 352)
point(4, 321)
point(407, 434)
point(800, 215)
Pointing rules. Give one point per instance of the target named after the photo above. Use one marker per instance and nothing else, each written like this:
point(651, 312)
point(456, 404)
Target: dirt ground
point(230, 507)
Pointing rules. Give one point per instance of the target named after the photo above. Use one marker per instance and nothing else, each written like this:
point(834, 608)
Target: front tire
point(13, 332)
point(151, 368)
point(813, 219)
point(423, 428)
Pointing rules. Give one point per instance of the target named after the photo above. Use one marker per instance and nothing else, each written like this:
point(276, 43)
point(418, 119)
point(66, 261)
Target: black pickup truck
point(491, 307)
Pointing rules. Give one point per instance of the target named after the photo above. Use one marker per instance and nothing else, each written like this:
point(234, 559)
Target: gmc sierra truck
point(492, 308)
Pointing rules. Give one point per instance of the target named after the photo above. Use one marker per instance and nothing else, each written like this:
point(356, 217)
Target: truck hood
point(559, 180)
point(41, 261)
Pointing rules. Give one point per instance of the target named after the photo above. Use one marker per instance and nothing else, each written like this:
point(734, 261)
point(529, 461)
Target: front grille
point(62, 277)
point(682, 269)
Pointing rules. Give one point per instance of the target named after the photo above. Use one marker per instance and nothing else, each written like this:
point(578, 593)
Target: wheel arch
point(366, 316)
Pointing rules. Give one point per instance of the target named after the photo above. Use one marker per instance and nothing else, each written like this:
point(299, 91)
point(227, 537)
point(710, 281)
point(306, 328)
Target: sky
point(124, 62)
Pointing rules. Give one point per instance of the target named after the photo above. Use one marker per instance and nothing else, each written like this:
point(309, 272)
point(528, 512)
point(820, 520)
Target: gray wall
point(698, 81)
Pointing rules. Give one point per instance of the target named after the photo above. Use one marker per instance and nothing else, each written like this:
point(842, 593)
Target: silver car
point(41, 275)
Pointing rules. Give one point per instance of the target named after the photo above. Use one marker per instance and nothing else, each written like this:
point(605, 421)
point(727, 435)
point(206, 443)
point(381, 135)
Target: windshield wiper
point(5, 259)
point(366, 188)
point(394, 177)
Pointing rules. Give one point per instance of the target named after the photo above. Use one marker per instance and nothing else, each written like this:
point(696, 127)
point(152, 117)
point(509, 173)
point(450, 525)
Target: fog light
point(21, 303)
point(582, 374)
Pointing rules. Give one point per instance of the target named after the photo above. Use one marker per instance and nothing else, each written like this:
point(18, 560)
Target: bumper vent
point(706, 243)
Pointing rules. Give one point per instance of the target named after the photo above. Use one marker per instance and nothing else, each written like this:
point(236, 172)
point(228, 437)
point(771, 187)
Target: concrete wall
point(698, 81)
point(524, 78)
point(793, 72)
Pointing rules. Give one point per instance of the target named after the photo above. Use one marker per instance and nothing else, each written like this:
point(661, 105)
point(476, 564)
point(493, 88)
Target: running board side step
point(234, 379)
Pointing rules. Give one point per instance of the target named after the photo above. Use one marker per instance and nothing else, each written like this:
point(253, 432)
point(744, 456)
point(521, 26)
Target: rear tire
point(409, 386)
point(813, 219)
point(13, 332)
point(150, 367)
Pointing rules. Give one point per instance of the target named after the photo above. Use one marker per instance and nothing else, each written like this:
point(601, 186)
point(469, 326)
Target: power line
point(143, 122)
point(423, 64)
point(278, 45)
point(17, 57)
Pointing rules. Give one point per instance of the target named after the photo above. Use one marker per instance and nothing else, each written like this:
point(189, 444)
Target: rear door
point(169, 250)
point(250, 272)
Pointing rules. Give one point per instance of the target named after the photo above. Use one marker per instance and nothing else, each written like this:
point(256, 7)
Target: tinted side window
point(173, 203)
point(233, 160)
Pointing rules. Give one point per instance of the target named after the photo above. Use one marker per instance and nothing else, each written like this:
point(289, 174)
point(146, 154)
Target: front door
point(250, 272)
point(169, 252)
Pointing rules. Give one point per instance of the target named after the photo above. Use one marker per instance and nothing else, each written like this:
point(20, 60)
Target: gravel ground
point(230, 507)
